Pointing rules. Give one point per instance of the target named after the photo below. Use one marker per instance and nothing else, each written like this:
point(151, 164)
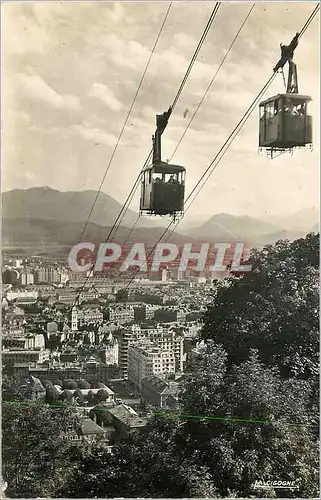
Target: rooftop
point(90, 428)
point(127, 416)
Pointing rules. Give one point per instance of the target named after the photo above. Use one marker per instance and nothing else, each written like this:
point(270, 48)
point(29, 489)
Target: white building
point(111, 346)
point(80, 317)
point(146, 359)
point(164, 338)
point(27, 278)
point(22, 295)
point(12, 356)
point(128, 337)
point(74, 319)
point(122, 313)
point(151, 309)
point(164, 275)
point(169, 338)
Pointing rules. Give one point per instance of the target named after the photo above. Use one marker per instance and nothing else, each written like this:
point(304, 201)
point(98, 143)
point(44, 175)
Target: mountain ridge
point(47, 216)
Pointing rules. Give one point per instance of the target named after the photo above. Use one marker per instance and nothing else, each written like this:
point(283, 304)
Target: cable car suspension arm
point(161, 124)
point(287, 52)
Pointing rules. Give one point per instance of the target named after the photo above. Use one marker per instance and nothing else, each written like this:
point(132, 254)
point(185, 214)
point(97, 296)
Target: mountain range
point(74, 206)
point(43, 217)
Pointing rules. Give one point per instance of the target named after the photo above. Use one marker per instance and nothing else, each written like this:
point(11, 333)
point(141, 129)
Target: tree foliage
point(262, 427)
point(248, 410)
point(274, 309)
point(69, 384)
point(122, 296)
point(37, 460)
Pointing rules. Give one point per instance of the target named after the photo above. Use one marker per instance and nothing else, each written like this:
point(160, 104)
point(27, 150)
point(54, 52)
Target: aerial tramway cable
point(132, 192)
point(126, 120)
point(212, 81)
point(226, 145)
point(125, 207)
point(204, 95)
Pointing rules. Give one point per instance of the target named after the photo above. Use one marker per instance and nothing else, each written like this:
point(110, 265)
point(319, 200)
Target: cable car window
point(157, 177)
point(171, 178)
point(288, 106)
point(276, 107)
point(262, 111)
point(269, 109)
point(299, 108)
point(149, 176)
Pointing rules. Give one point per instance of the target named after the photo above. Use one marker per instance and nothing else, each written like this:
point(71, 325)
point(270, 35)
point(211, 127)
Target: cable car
point(284, 120)
point(162, 184)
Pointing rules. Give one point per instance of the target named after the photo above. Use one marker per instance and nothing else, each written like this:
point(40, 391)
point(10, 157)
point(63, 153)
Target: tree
point(260, 427)
point(11, 389)
point(122, 296)
point(144, 465)
point(52, 395)
point(101, 415)
point(79, 396)
point(66, 396)
point(69, 384)
point(91, 398)
point(83, 384)
point(36, 459)
point(102, 395)
point(274, 309)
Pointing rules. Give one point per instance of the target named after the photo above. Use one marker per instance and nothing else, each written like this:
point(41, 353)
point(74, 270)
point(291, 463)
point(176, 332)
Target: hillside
point(43, 217)
point(304, 220)
point(35, 233)
point(234, 228)
point(74, 206)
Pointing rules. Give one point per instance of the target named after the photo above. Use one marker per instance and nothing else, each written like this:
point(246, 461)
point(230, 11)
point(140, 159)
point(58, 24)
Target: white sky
point(71, 70)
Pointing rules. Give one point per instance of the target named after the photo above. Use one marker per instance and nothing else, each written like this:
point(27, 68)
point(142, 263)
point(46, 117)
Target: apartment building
point(127, 337)
point(12, 356)
point(168, 338)
point(145, 360)
point(122, 313)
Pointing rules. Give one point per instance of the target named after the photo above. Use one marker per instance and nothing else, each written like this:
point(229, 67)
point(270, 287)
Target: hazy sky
point(71, 70)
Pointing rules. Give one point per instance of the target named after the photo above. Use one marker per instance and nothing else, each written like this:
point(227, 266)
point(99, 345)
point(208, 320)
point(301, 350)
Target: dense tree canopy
point(262, 427)
point(37, 460)
point(248, 410)
point(274, 309)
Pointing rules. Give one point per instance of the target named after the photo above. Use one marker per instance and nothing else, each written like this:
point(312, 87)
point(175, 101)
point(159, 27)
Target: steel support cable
point(245, 116)
point(126, 121)
point(221, 152)
point(181, 87)
point(210, 169)
point(240, 125)
point(198, 48)
point(126, 205)
point(227, 143)
point(217, 159)
point(201, 41)
point(122, 131)
point(213, 79)
point(309, 21)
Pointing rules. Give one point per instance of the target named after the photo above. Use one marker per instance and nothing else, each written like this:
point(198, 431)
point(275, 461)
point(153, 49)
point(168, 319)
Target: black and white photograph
point(160, 280)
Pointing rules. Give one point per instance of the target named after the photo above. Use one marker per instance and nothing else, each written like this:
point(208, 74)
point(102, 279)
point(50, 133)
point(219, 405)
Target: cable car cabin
point(163, 189)
point(285, 123)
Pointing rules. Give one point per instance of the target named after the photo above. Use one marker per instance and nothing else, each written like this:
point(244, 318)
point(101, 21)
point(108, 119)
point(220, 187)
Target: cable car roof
point(292, 96)
point(165, 168)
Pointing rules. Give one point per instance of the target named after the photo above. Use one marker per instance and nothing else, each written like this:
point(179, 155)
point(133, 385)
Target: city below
point(85, 340)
